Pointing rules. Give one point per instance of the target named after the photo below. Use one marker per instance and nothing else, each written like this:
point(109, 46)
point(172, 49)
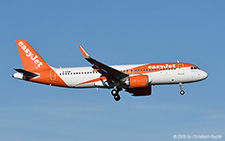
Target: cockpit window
point(195, 68)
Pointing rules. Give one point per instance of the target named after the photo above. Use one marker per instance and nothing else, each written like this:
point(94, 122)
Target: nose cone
point(204, 75)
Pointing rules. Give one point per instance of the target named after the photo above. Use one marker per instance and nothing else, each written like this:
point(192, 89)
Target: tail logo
point(30, 55)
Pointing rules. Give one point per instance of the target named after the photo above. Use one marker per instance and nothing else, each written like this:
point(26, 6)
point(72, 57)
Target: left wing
point(110, 73)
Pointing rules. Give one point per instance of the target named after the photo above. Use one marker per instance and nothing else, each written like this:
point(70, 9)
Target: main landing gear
point(181, 89)
point(115, 93)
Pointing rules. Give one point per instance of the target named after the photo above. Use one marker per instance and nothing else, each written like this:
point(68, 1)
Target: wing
point(110, 73)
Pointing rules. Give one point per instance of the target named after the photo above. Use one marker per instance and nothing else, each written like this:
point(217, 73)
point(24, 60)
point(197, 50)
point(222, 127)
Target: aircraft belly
point(78, 81)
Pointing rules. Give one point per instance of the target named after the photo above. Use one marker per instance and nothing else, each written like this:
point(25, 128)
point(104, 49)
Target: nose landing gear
point(182, 92)
point(115, 93)
point(181, 89)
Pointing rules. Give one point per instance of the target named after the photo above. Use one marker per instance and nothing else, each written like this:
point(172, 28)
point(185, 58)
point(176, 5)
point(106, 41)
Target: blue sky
point(113, 32)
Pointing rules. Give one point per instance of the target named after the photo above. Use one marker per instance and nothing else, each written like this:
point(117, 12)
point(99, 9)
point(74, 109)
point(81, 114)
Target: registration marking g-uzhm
point(30, 55)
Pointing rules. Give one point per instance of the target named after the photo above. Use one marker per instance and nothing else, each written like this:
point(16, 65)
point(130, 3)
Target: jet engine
point(139, 85)
point(137, 81)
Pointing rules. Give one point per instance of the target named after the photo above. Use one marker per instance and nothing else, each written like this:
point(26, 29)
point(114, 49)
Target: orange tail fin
point(29, 57)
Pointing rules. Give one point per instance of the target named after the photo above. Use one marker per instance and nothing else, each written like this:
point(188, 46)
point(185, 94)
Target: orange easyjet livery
point(135, 79)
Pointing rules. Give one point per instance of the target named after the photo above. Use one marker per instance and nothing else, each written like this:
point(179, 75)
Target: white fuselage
point(84, 77)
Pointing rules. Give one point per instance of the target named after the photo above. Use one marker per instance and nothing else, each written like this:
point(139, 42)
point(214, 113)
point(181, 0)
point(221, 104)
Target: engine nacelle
point(140, 91)
point(137, 81)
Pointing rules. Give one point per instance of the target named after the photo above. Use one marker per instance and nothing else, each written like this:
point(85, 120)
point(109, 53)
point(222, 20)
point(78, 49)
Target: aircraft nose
point(204, 75)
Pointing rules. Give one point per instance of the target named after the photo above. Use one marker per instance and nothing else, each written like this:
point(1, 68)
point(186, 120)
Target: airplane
point(135, 79)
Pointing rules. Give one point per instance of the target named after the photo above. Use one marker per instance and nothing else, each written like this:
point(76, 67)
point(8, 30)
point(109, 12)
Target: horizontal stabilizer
point(26, 73)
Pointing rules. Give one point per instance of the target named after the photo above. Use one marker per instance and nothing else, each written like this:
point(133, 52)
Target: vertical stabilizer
point(35, 69)
point(30, 59)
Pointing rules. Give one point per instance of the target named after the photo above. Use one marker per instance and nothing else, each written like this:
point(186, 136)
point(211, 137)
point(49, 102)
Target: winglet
point(84, 53)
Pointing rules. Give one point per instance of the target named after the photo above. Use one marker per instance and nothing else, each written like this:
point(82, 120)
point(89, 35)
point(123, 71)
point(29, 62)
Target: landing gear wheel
point(182, 92)
point(114, 92)
point(117, 97)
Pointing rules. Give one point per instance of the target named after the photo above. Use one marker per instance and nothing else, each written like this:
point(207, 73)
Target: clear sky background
point(113, 32)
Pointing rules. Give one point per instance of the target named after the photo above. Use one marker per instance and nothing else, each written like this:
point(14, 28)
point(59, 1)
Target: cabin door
point(180, 69)
point(52, 75)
